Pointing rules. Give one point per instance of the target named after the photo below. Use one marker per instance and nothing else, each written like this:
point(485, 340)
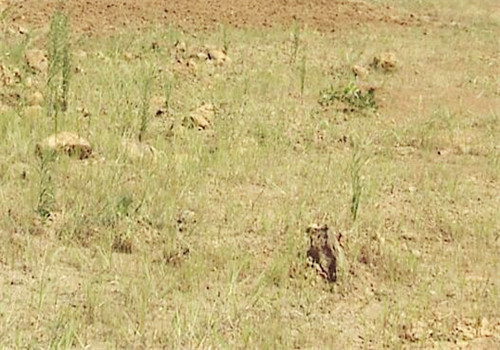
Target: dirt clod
point(157, 105)
point(65, 143)
point(386, 62)
point(218, 56)
point(34, 111)
point(8, 76)
point(35, 99)
point(360, 71)
point(186, 219)
point(202, 118)
point(202, 56)
point(139, 150)
point(36, 60)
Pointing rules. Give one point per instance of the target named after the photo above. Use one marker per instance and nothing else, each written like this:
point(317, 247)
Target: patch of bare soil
point(95, 16)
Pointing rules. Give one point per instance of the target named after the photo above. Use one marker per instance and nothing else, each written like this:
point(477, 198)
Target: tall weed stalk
point(145, 100)
point(46, 192)
point(59, 67)
point(356, 181)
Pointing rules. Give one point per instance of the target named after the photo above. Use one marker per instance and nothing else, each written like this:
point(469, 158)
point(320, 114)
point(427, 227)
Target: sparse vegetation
point(196, 237)
point(351, 98)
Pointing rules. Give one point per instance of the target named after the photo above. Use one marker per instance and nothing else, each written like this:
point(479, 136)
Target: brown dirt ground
point(95, 16)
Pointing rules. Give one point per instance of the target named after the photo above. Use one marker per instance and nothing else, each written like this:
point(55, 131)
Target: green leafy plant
point(350, 95)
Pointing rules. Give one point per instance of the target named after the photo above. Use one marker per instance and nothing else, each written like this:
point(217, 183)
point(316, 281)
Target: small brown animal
point(325, 251)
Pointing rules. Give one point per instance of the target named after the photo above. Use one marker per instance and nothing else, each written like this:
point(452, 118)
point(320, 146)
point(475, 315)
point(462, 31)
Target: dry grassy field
point(194, 145)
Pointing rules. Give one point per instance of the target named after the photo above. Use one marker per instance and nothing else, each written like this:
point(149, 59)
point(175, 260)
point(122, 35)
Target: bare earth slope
point(102, 15)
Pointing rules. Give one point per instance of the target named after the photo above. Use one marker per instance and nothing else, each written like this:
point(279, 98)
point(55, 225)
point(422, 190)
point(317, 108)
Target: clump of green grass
point(351, 95)
point(59, 67)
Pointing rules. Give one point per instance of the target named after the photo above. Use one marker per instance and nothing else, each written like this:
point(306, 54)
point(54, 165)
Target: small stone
point(191, 63)
point(66, 143)
point(36, 60)
point(157, 105)
point(405, 150)
point(218, 56)
point(200, 121)
point(28, 82)
point(80, 54)
point(22, 30)
point(202, 56)
point(185, 219)
point(180, 46)
point(360, 71)
point(203, 117)
point(5, 76)
point(298, 147)
point(33, 111)
point(485, 329)
point(139, 150)
point(35, 99)
point(386, 62)
point(84, 112)
point(416, 253)
point(9, 77)
point(128, 56)
point(3, 108)
point(409, 236)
